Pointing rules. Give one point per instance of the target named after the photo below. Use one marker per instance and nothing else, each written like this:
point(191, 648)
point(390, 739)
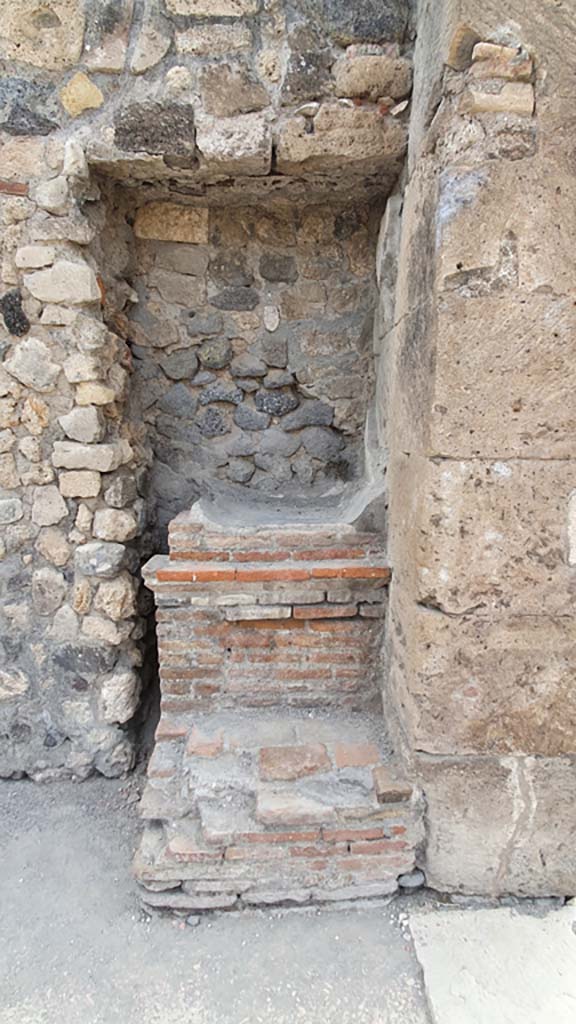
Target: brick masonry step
point(274, 807)
point(208, 662)
point(195, 533)
point(160, 570)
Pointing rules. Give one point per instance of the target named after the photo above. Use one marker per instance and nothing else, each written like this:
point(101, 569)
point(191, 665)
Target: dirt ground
point(76, 948)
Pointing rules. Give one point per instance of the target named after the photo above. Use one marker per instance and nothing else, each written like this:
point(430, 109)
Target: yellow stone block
point(80, 94)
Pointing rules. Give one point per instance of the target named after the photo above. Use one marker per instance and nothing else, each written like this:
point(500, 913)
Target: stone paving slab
point(499, 965)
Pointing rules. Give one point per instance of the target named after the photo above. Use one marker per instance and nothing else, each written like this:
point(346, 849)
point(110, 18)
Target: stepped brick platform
point(271, 780)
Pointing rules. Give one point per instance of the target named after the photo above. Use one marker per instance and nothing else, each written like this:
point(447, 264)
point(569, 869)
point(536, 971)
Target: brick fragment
point(199, 556)
point(182, 848)
point(378, 846)
point(336, 554)
point(344, 835)
point(389, 788)
point(14, 188)
point(277, 807)
point(293, 762)
point(325, 611)
point(355, 755)
point(200, 745)
point(166, 730)
point(356, 572)
point(260, 575)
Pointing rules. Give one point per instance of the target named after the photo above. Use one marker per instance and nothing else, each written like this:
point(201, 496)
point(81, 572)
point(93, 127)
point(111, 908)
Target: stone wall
point(214, 111)
point(253, 351)
point(480, 414)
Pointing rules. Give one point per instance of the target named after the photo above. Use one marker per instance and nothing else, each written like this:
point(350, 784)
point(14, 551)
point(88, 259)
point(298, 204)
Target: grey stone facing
point(236, 298)
point(311, 413)
point(180, 365)
point(215, 353)
point(277, 403)
point(221, 392)
point(248, 418)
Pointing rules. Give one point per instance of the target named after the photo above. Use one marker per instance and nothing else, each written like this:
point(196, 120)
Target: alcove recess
point(249, 302)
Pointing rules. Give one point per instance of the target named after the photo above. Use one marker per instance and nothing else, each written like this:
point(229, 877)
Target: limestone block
point(66, 282)
point(80, 94)
point(239, 145)
point(84, 424)
point(46, 36)
point(114, 524)
point(9, 476)
point(358, 139)
point(493, 61)
point(13, 684)
point(494, 536)
point(119, 695)
point(79, 483)
point(472, 684)
point(101, 457)
point(214, 40)
point(153, 42)
point(213, 8)
point(53, 546)
point(30, 257)
point(82, 367)
point(22, 159)
point(52, 195)
point(372, 76)
point(114, 633)
point(93, 393)
point(513, 98)
point(30, 364)
point(171, 222)
point(231, 90)
point(489, 825)
point(48, 506)
point(116, 597)
point(48, 590)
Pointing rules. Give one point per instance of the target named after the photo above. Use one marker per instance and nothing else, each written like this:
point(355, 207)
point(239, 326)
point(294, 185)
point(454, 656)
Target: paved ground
point(75, 947)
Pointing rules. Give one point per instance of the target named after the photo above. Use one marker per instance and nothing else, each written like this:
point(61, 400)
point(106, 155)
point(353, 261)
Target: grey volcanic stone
point(278, 466)
point(363, 21)
point(241, 470)
point(197, 325)
point(23, 121)
point(248, 365)
point(231, 269)
point(184, 259)
point(203, 378)
point(121, 490)
point(278, 379)
point(15, 318)
point(322, 442)
point(275, 351)
point(312, 413)
point(212, 423)
point(216, 353)
point(275, 441)
point(11, 510)
point(221, 392)
point(99, 558)
point(248, 385)
point(179, 401)
point(412, 879)
point(276, 267)
point(180, 365)
point(236, 298)
point(248, 418)
point(156, 128)
point(307, 76)
point(276, 403)
point(243, 445)
point(83, 660)
point(347, 224)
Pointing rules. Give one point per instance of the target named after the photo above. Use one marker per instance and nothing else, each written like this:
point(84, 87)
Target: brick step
point(247, 805)
point(193, 534)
